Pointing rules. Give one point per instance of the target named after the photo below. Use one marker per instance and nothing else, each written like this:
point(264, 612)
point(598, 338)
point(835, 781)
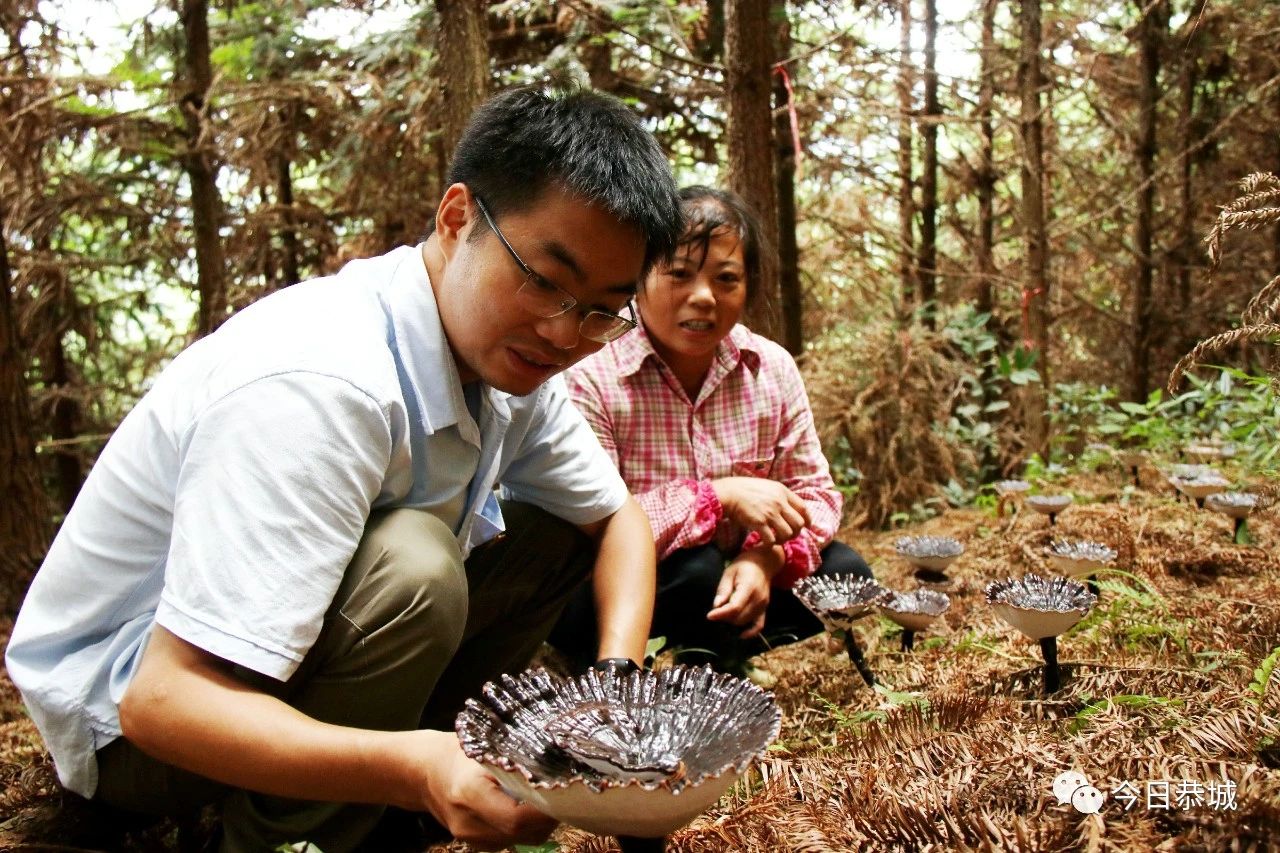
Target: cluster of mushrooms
point(1201, 482)
point(1042, 608)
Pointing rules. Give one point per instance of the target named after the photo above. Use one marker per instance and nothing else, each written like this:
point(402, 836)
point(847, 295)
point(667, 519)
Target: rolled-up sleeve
point(559, 464)
point(682, 513)
point(801, 466)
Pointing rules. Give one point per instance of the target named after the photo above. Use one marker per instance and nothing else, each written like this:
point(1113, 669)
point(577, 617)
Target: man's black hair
point(522, 141)
point(707, 211)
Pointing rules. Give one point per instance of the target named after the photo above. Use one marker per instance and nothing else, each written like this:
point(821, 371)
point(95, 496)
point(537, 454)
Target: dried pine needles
point(961, 753)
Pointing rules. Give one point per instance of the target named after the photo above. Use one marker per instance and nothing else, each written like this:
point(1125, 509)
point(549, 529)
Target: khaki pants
point(411, 633)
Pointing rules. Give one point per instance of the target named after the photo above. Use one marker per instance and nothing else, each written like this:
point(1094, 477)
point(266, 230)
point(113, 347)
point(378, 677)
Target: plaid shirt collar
point(635, 347)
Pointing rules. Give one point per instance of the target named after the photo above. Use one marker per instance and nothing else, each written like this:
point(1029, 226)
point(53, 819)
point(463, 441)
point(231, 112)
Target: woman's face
point(686, 308)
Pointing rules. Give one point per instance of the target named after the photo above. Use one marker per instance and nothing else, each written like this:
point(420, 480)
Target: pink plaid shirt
point(751, 419)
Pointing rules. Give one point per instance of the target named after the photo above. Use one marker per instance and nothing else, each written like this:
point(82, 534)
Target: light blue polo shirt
point(229, 502)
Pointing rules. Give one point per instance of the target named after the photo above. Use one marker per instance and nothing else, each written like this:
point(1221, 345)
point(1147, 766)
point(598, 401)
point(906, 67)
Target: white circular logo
point(1066, 783)
point(1087, 799)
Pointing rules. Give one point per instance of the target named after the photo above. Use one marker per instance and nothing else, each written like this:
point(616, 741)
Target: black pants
point(687, 582)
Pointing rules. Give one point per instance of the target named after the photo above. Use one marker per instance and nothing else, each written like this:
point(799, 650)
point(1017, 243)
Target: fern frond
point(1261, 333)
point(1251, 183)
point(1265, 306)
point(1252, 200)
point(1262, 678)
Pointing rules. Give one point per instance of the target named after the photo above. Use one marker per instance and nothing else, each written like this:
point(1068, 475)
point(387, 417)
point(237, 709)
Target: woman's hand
point(765, 506)
point(741, 598)
point(743, 594)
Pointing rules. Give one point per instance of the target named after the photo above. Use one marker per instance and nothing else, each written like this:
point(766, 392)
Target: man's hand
point(765, 506)
point(185, 707)
point(470, 803)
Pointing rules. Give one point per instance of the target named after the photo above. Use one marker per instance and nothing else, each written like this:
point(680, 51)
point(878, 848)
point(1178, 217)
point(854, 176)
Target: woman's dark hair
point(522, 141)
point(708, 210)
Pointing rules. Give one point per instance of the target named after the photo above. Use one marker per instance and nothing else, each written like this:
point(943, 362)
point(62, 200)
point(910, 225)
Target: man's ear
point(454, 218)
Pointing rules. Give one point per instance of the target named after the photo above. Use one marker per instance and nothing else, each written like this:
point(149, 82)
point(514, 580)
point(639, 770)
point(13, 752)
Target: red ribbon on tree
point(791, 111)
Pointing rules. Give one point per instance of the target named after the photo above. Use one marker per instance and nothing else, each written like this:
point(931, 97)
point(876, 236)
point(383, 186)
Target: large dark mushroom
point(1043, 609)
point(635, 754)
point(838, 601)
point(914, 611)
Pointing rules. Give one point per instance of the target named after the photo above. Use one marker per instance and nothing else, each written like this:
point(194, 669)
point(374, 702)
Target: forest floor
point(1156, 708)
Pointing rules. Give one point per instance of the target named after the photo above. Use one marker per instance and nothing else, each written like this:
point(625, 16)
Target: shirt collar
point(635, 347)
point(423, 357)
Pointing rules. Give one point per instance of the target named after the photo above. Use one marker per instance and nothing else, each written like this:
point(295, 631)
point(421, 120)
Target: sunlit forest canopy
point(988, 216)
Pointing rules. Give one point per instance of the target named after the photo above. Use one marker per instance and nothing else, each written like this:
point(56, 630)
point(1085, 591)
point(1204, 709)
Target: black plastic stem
point(631, 844)
point(908, 640)
point(1093, 585)
point(1052, 677)
point(855, 655)
point(1235, 535)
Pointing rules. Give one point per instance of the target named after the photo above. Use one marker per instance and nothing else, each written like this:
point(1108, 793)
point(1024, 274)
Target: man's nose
point(562, 331)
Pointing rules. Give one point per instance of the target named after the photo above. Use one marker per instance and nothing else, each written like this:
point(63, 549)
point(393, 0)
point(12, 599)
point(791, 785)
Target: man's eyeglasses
point(545, 299)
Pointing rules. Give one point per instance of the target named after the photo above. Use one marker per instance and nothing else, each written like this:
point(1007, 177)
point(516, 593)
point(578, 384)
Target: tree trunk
point(985, 295)
point(64, 423)
point(289, 231)
point(928, 262)
point(24, 512)
point(984, 300)
point(63, 412)
point(202, 168)
point(1150, 33)
point(784, 171)
point(462, 65)
point(748, 61)
point(906, 201)
point(1188, 245)
point(710, 46)
point(1035, 293)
